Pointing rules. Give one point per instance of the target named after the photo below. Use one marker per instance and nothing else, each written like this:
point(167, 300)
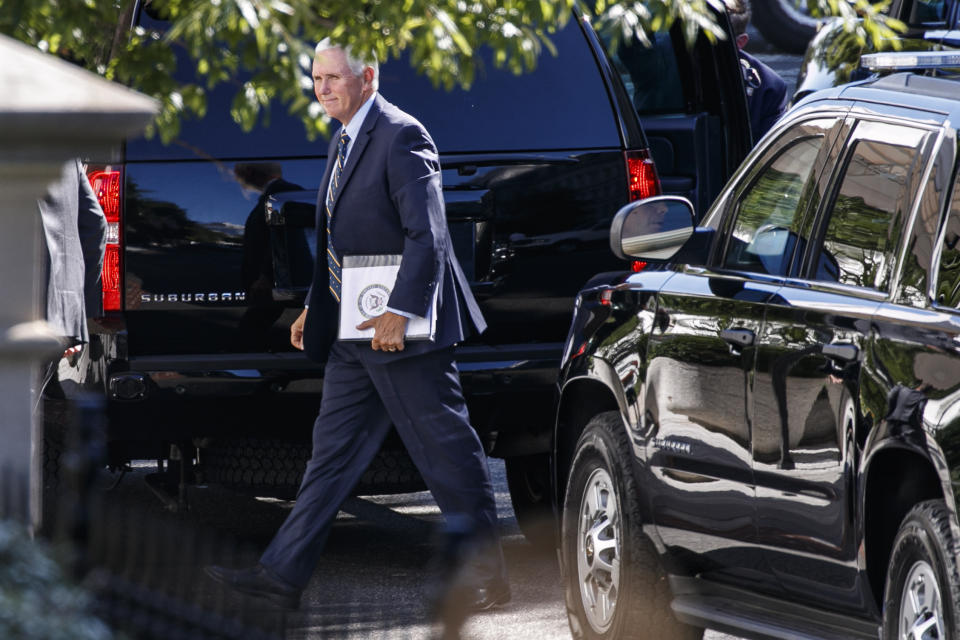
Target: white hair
point(356, 64)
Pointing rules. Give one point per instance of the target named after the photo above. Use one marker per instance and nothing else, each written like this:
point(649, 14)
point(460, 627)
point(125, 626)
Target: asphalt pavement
point(370, 582)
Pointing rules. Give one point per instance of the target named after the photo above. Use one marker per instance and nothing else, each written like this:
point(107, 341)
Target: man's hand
point(296, 331)
point(388, 331)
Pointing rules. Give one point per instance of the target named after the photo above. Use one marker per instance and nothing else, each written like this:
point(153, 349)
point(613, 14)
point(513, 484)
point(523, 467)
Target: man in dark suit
point(74, 232)
point(381, 194)
point(74, 236)
point(766, 90)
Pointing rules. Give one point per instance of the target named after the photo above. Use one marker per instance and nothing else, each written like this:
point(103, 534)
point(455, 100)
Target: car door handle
point(842, 352)
point(738, 337)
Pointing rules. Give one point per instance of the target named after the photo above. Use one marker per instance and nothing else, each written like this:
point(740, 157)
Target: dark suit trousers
point(421, 395)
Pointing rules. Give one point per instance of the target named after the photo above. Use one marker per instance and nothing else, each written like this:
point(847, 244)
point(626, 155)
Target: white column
point(24, 340)
point(50, 111)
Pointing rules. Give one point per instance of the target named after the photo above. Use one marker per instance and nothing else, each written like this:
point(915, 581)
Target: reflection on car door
point(701, 358)
point(809, 362)
point(700, 355)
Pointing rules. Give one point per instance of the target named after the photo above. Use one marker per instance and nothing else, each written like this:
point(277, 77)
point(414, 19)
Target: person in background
point(74, 240)
point(766, 90)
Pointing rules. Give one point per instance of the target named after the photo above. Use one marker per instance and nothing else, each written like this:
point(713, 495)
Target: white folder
point(366, 284)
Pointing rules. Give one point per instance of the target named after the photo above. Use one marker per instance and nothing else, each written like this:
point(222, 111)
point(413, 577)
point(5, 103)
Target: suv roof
point(906, 89)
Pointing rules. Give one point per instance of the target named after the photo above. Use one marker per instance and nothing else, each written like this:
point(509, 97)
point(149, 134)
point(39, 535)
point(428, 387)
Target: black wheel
point(614, 584)
point(786, 24)
point(922, 594)
point(528, 478)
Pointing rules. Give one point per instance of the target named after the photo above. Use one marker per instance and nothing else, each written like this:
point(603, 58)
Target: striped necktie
point(333, 262)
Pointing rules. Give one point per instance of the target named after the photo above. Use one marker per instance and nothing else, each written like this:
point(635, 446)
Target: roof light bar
point(905, 60)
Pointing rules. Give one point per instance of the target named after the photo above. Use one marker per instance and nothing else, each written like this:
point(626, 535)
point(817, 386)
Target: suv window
point(948, 275)
point(651, 74)
point(925, 12)
point(771, 210)
point(562, 105)
point(919, 253)
point(867, 216)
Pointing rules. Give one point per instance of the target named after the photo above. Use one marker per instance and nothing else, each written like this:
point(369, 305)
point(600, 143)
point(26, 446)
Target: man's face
point(340, 92)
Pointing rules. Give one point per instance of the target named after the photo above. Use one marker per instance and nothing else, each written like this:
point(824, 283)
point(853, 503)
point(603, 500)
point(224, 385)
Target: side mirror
point(652, 229)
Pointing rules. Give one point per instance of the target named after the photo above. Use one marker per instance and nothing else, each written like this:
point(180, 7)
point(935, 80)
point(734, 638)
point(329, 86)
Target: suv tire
point(923, 573)
point(614, 585)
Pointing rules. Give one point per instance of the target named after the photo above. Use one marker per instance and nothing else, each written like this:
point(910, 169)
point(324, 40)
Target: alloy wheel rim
point(921, 606)
point(598, 550)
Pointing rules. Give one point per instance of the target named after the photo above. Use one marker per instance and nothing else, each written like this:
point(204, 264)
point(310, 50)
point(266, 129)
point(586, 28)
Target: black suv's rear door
point(693, 108)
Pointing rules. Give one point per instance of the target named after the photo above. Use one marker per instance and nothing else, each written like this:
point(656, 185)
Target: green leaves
point(864, 21)
point(265, 47)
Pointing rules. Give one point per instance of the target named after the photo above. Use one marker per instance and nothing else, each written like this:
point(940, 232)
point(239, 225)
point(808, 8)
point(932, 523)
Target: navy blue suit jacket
point(390, 201)
point(766, 102)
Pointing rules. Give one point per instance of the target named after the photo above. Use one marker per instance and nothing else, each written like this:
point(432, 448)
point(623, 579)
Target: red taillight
point(106, 184)
point(642, 180)
point(637, 266)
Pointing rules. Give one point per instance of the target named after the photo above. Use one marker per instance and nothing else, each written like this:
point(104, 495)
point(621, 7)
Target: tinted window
point(651, 75)
point(924, 12)
point(562, 104)
point(948, 276)
point(919, 253)
point(768, 220)
point(867, 217)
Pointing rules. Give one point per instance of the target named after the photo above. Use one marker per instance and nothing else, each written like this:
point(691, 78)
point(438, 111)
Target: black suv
point(213, 246)
point(833, 56)
point(764, 437)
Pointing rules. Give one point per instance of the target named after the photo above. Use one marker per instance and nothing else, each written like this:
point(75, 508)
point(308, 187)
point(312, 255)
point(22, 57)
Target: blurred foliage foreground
point(37, 599)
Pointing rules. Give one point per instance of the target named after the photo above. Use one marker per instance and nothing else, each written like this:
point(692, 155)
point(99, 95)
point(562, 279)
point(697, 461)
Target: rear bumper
point(157, 400)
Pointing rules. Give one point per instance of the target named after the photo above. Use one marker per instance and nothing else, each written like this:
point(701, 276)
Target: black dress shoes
point(490, 595)
point(461, 581)
point(459, 601)
point(260, 582)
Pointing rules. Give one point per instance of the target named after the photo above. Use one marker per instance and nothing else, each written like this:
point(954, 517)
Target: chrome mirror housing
point(652, 229)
